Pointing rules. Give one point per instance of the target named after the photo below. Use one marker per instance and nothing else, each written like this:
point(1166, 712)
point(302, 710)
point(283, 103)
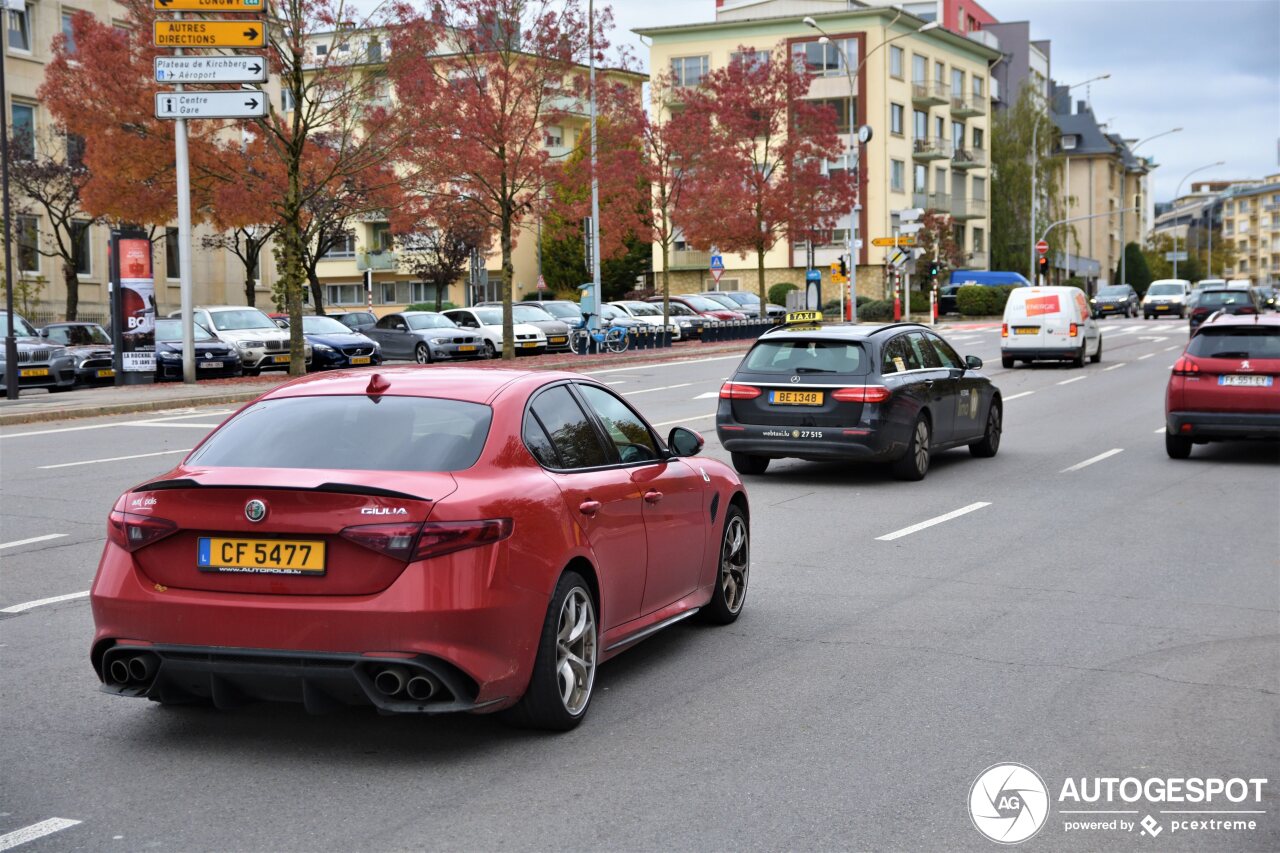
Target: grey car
point(424, 337)
point(91, 347)
point(40, 364)
point(556, 330)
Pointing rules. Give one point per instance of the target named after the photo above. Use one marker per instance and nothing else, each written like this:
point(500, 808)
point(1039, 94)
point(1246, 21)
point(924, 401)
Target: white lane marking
point(33, 540)
point(915, 528)
point(1170, 349)
point(37, 830)
point(172, 426)
point(1074, 379)
point(617, 382)
point(113, 459)
point(146, 422)
point(684, 420)
point(663, 388)
point(708, 395)
point(41, 602)
point(1116, 366)
point(1076, 467)
point(1016, 396)
point(1160, 430)
point(660, 364)
point(1148, 355)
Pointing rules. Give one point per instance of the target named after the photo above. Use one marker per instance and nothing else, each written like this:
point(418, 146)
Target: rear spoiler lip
point(339, 488)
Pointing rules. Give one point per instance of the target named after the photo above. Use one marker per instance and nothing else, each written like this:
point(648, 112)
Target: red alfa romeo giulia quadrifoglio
point(422, 540)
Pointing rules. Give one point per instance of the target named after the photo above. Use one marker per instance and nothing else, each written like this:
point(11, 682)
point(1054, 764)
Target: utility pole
point(595, 179)
point(10, 342)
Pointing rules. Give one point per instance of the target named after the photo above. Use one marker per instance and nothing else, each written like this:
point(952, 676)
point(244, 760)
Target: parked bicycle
point(613, 339)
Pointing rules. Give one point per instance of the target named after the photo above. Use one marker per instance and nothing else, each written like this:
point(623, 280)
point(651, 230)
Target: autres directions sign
point(209, 34)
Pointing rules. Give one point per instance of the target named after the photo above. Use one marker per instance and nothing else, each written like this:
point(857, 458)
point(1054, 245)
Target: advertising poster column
point(133, 307)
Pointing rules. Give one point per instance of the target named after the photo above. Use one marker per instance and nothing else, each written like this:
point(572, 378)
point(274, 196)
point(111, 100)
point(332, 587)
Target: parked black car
point(40, 364)
point(90, 346)
point(215, 359)
point(335, 344)
point(1229, 300)
point(896, 393)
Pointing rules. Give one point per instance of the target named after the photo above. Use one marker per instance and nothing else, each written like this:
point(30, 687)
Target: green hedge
point(975, 300)
point(778, 293)
point(876, 310)
point(430, 306)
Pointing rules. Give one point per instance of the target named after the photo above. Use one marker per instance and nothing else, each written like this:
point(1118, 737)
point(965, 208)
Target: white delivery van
point(1166, 297)
point(1051, 324)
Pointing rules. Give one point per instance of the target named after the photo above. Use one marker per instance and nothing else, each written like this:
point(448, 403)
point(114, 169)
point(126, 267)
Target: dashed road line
point(916, 528)
point(10, 840)
point(1016, 396)
point(708, 395)
point(1148, 355)
point(41, 602)
point(143, 422)
point(1086, 463)
point(33, 540)
point(113, 459)
point(650, 390)
point(1115, 366)
point(1170, 349)
point(1159, 431)
point(663, 364)
point(1073, 379)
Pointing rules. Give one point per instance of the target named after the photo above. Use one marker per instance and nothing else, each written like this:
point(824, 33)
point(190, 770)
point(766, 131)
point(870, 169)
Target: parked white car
point(487, 322)
point(261, 344)
point(1166, 297)
point(650, 314)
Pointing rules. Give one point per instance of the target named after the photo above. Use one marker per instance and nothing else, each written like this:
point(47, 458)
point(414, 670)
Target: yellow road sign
point(208, 5)
point(209, 34)
point(903, 240)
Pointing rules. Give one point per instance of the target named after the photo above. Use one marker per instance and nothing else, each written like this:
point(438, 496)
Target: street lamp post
point(855, 152)
point(1177, 193)
point(1035, 163)
point(1124, 270)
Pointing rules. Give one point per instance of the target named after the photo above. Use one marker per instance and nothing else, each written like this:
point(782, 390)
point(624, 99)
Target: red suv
point(1226, 385)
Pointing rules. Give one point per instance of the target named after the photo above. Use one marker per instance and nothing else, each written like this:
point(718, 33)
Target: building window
point(979, 239)
point(895, 61)
point(23, 127)
point(20, 27)
point(689, 70)
point(957, 83)
point(978, 138)
point(940, 181)
point(920, 179)
point(939, 74)
point(172, 266)
point(381, 237)
point(896, 118)
point(342, 247)
point(919, 69)
point(80, 234)
point(920, 127)
point(897, 175)
point(979, 188)
point(553, 137)
point(977, 87)
point(939, 127)
point(69, 36)
point(839, 106)
point(344, 294)
point(286, 100)
point(28, 228)
point(75, 151)
point(957, 134)
point(750, 60)
point(823, 59)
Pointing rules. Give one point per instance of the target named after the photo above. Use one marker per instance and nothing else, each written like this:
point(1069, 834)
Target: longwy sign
point(210, 69)
point(903, 240)
point(246, 103)
point(209, 34)
point(208, 5)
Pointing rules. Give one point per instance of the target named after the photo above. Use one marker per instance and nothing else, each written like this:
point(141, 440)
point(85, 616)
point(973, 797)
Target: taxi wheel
point(1177, 447)
point(422, 354)
point(735, 565)
point(990, 443)
point(914, 464)
point(745, 463)
point(564, 669)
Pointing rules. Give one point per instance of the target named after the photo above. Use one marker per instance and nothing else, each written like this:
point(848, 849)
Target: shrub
point(778, 293)
point(876, 310)
point(975, 300)
point(1075, 281)
point(429, 306)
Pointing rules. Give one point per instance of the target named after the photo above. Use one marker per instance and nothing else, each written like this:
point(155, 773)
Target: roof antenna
point(377, 384)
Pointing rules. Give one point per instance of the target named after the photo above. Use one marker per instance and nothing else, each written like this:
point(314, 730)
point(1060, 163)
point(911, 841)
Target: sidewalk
point(35, 405)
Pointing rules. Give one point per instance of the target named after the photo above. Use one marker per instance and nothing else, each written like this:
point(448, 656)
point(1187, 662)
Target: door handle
point(652, 496)
point(589, 507)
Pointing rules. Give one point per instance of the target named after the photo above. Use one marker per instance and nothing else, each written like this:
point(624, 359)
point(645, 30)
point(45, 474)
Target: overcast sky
point(1212, 68)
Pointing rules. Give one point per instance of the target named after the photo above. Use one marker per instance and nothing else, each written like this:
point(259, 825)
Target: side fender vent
point(715, 505)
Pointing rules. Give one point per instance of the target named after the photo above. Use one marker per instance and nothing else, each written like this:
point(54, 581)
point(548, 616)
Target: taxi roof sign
point(803, 317)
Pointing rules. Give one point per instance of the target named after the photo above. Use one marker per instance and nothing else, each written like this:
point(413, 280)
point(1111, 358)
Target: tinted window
point(800, 356)
point(574, 437)
point(529, 314)
point(1224, 298)
point(489, 316)
point(628, 432)
point(363, 434)
point(535, 438)
point(390, 321)
point(171, 330)
point(925, 355)
point(21, 328)
point(896, 356)
point(643, 309)
point(1164, 290)
point(79, 335)
point(563, 311)
point(1236, 342)
point(430, 321)
point(948, 356)
point(248, 318)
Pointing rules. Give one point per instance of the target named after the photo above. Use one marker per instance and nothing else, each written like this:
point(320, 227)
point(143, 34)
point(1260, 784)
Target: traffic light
point(844, 266)
point(1043, 266)
point(933, 269)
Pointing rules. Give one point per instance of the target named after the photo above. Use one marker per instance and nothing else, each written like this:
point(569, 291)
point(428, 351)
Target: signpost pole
point(10, 342)
point(182, 169)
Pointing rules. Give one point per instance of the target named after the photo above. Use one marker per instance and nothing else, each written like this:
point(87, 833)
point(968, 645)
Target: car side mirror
point(684, 442)
point(973, 362)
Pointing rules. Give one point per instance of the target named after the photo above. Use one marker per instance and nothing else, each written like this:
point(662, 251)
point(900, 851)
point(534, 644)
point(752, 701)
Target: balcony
point(932, 201)
point(930, 148)
point(1271, 206)
point(689, 259)
point(977, 261)
point(930, 94)
point(969, 158)
point(968, 208)
point(962, 107)
point(382, 260)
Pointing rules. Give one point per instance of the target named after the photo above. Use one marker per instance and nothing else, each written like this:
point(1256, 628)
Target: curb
point(257, 388)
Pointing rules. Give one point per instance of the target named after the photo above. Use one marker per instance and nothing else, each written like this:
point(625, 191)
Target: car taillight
point(738, 391)
point(1185, 366)
point(863, 394)
point(411, 542)
point(1004, 330)
point(131, 531)
point(1074, 331)
point(1248, 309)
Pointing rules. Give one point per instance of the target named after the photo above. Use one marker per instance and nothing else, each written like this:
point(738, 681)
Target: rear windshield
point(358, 433)
point(1220, 298)
point(799, 356)
point(1236, 342)
point(564, 312)
point(1164, 289)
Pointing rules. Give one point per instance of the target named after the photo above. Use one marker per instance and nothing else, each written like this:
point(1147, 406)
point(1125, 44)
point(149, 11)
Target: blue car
point(335, 345)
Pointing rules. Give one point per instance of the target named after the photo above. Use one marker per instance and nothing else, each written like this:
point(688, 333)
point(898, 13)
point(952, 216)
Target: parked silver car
point(423, 336)
point(40, 364)
point(530, 313)
point(261, 343)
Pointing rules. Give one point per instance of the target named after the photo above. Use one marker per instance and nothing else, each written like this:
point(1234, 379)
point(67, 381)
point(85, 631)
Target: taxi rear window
point(801, 356)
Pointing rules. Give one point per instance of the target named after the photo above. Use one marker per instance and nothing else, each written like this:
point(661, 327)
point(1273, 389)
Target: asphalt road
point(1117, 618)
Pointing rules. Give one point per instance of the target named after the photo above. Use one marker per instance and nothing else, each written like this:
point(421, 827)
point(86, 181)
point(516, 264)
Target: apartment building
point(925, 95)
point(1251, 224)
point(1024, 62)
